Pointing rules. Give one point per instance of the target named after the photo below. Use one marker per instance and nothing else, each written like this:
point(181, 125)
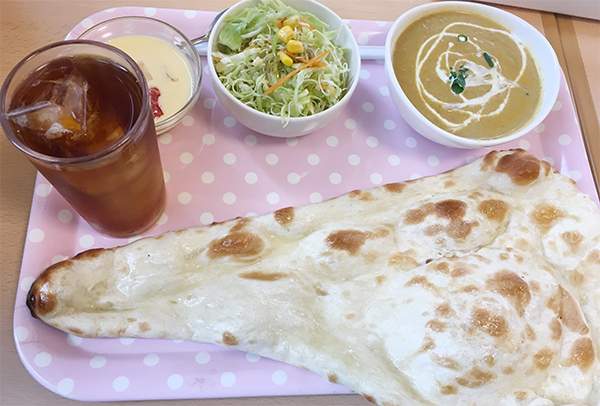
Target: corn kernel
point(285, 33)
point(292, 21)
point(287, 61)
point(295, 47)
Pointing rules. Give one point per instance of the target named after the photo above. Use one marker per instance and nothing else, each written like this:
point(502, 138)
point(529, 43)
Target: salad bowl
point(277, 125)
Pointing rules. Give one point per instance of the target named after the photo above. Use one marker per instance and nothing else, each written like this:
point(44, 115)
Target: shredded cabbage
point(248, 63)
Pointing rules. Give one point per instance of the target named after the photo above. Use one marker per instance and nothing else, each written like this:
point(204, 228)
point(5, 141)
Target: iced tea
point(83, 118)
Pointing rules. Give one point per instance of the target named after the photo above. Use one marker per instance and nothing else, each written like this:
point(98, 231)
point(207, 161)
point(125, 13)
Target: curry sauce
point(467, 74)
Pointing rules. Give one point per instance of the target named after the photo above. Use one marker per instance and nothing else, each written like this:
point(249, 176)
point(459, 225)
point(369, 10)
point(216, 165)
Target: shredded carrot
point(279, 25)
point(291, 55)
point(292, 73)
point(300, 59)
point(319, 64)
point(304, 20)
point(250, 47)
point(216, 58)
point(327, 88)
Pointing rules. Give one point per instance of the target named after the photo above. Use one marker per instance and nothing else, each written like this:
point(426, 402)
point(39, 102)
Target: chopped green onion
point(459, 84)
point(458, 80)
point(462, 38)
point(488, 59)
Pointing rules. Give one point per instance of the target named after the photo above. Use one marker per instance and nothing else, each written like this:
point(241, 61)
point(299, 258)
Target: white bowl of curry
point(467, 75)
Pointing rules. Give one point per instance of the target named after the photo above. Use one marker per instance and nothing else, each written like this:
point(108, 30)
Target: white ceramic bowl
point(122, 26)
point(540, 49)
point(269, 124)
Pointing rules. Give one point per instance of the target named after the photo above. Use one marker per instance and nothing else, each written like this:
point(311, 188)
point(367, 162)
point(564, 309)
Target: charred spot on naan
point(230, 339)
point(361, 195)
point(369, 398)
point(453, 266)
point(403, 260)
point(545, 216)
point(236, 244)
point(582, 354)
point(263, 276)
point(352, 240)
point(492, 324)
point(529, 333)
point(489, 360)
point(521, 167)
point(422, 281)
point(543, 358)
point(555, 328)
point(395, 187)
point(346, 240)
point(436, 325)
point(445, 362)
point(284, 216)
point(41, 300)
point(508, 370)
point(567, 310)
point(476, 377)
point(445, 310)
point(448, 389)
point(494, 210)
point(512, 287)
point(450, 211)
point(573, 238)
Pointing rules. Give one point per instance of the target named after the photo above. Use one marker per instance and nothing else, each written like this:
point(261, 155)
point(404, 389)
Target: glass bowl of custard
point(171, 64)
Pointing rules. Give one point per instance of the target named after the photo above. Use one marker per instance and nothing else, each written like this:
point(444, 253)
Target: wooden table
point(27, 25)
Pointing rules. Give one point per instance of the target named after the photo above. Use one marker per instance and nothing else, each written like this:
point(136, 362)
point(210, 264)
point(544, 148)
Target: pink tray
point(217, 169)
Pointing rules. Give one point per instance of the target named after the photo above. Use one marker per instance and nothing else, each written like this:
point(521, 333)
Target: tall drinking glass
point(80, 112)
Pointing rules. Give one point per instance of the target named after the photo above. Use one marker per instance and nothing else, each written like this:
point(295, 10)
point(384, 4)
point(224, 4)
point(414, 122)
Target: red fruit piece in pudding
point(154, 95)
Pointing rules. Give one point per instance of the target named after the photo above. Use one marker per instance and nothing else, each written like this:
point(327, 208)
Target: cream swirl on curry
point(467, 74)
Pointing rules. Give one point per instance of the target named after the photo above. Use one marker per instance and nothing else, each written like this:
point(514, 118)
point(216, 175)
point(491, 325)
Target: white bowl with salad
point(283, 68)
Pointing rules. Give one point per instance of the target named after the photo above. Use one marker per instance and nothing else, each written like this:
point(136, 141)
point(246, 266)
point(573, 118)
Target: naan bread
point(479, 286)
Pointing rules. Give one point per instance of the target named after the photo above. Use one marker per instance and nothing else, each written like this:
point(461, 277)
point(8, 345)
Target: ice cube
point(51, 119)
point(72, 93)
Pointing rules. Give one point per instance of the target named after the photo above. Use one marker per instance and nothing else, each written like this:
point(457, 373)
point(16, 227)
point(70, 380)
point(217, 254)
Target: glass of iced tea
point(80, 111)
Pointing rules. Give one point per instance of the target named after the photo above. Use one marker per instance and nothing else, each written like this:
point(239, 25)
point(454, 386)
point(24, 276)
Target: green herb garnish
point(488, 59)
point(458, 81)
point(462, 38)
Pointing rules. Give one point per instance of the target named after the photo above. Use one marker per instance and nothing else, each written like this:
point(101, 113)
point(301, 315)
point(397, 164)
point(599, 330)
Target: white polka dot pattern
point(228, 379)
point(86, 241)
point(43, 190)
point(202, 358)
point(21, 334)
point(57, 258)
point(98, 362)
point(74, 341)
point(151, 359)
point(217, 169)
point(65, 386)
point(120, 384)
point(36, 235)
point(175, 381)
point(279, 377)
point(252, 357)
point(188, 121)
point(26, 283)
point(65, 216)
point(229, 198)
point(42, 359)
